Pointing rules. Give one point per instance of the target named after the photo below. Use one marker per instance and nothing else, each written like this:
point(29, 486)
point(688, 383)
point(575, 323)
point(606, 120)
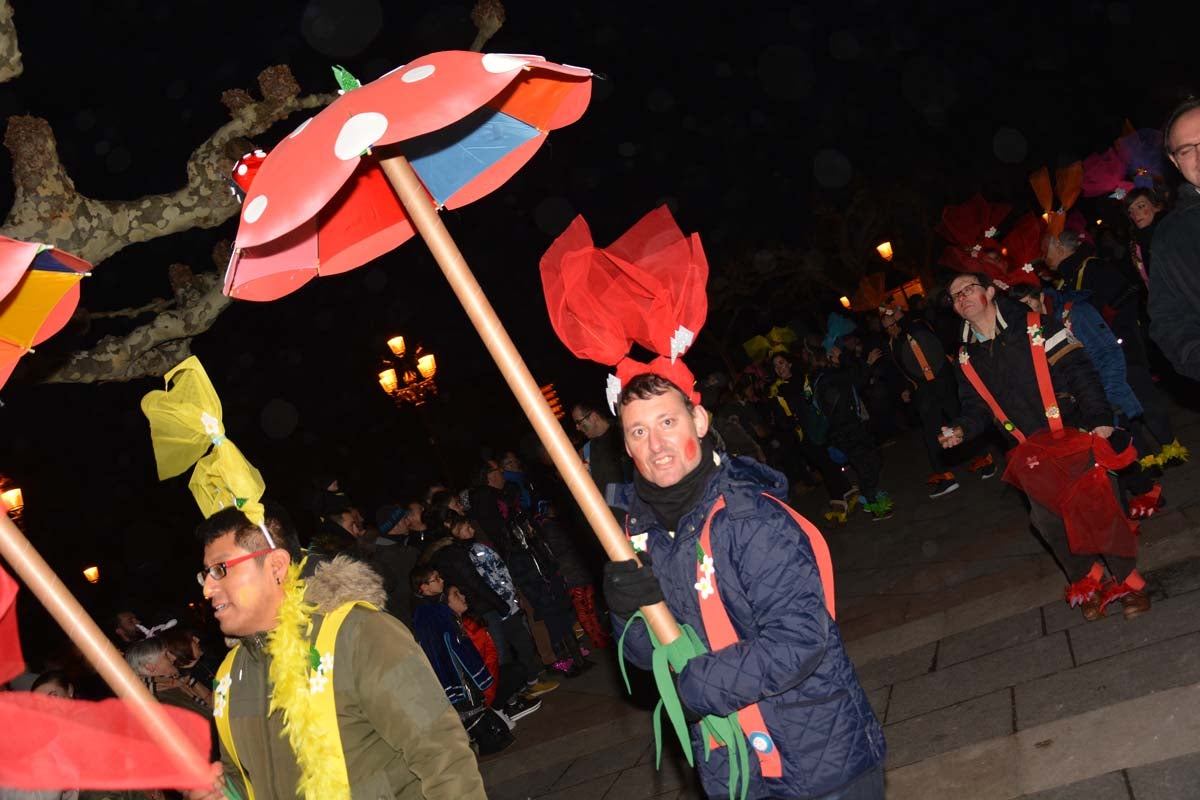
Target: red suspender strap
point(977, 383)
point(1041, 368)
point(921, 360)
point(721, 634)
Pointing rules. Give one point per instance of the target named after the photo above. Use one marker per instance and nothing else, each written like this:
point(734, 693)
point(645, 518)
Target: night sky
point(743, 117)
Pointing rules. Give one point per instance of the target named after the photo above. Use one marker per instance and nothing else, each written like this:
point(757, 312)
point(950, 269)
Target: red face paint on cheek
point(690, 449)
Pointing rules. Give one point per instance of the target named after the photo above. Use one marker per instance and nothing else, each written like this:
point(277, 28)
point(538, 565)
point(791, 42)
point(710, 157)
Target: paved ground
point(988, 686)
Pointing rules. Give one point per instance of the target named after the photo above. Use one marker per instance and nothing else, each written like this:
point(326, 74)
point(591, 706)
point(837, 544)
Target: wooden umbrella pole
point(95, 646)
point(427, 222)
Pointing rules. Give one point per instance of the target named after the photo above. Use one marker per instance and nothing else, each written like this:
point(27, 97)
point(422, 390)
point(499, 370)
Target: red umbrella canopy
point(320, 204)
point(39, 290)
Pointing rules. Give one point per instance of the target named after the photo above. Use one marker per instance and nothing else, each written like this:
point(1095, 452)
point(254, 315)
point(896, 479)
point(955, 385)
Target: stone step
point(1155, 737)
point(1172, 538)
point(1036, 670)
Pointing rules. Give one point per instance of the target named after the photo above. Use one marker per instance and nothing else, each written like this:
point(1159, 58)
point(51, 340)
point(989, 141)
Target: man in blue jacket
point(787, 662)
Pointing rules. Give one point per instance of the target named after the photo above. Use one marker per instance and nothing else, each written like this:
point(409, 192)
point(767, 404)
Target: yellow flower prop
point(777, 340)
point(185, 424)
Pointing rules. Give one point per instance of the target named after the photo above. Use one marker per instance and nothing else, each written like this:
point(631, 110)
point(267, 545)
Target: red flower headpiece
point(1022, 249)
point(647, 287)
point(970, 228)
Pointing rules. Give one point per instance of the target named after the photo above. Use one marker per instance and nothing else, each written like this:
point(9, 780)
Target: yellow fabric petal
point(185, 424)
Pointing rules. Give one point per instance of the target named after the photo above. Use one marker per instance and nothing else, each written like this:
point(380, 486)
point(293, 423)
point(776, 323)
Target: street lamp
point(408, 377)
point(12, 500)
point(92, 574)
point(885, 250)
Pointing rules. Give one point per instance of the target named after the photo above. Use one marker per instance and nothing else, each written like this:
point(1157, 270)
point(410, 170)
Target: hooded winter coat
point(400, 736)
point(790, 658)
point(1102, 347)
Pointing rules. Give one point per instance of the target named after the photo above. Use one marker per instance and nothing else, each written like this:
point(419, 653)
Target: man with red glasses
point(1175, 284)
point(1026, 374)
point(317, 649)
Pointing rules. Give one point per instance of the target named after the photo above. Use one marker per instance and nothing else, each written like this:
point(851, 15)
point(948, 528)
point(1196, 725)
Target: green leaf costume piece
point(725, 730)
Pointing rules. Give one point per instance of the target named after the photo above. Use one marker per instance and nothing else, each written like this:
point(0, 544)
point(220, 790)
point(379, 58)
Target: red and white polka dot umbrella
point(319, 203)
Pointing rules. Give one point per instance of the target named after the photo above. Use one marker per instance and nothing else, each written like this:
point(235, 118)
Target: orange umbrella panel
point(40, 297)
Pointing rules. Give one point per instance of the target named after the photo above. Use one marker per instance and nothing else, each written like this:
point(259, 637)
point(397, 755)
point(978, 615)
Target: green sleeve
point(401, 696)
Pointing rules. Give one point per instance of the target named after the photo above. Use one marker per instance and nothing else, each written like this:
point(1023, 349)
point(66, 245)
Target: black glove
point(627, 587)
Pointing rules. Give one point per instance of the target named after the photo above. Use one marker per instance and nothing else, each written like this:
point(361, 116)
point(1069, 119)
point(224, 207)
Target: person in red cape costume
point(735, 565)
point(1013, 366)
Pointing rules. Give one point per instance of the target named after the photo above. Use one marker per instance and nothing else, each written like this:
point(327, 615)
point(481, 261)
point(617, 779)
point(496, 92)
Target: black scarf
point(670, 503)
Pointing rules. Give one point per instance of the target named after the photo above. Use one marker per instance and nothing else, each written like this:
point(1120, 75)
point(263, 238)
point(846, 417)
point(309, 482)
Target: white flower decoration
point(975, 250)
point(639, 542)
point(221, 696)
point(990, 232)
point(612, 391)
point(317, 682)
point(681, 340)
point(706, 567)
point(1035, 335)
point(963, 356)
point(1027, 268)
point(326, 664)
point(211, 426)
point(1032, 462)
point(704, 587)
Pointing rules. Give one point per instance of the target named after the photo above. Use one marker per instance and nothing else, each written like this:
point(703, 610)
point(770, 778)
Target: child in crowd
point(509, 678)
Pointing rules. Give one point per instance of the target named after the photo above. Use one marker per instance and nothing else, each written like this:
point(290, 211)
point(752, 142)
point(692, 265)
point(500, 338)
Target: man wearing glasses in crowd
point(603, 453)
point(1175, 278)
point(996, 338)
point(399, 736)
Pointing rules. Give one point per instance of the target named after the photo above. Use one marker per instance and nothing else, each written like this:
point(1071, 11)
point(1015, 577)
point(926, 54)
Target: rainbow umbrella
point(39, 290)
point(320, 203)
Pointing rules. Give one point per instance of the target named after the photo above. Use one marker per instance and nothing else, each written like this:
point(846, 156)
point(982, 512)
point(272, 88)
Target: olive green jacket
point(400, 735)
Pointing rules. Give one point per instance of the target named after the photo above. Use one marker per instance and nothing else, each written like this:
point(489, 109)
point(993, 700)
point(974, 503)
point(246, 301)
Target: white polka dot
point(255, 208)
point(499, 62)
point(418, 74)
point(263, 153)
point(360, 132)
point(243, 169)
point(302, 126)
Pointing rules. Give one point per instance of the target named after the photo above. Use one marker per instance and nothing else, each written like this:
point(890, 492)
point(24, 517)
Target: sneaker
point(987, 472)
point(880, 516)
point(520, 708)
point(539, 688)
point(979, 462)
point(567, 668)
point(502, 713)
point(942, 484)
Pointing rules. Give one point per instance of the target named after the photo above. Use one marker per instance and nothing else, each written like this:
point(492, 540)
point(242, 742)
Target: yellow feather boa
point(322, 764)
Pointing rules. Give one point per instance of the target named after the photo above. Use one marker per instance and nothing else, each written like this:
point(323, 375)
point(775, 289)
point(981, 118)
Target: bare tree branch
point(488, 16)
point(157, 305)
point(10, 53)
point(152, 349)
point(47, 208)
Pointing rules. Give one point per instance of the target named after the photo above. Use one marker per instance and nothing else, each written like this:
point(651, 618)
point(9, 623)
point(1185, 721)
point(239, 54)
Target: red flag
point(55, 743)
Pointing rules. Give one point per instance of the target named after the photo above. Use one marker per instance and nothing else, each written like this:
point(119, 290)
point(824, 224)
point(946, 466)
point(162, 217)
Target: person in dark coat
point(929, 385)
point(1116, 298)
point(837, 382)
point(788, 662)
point(996, 343)
point(1175, 287)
